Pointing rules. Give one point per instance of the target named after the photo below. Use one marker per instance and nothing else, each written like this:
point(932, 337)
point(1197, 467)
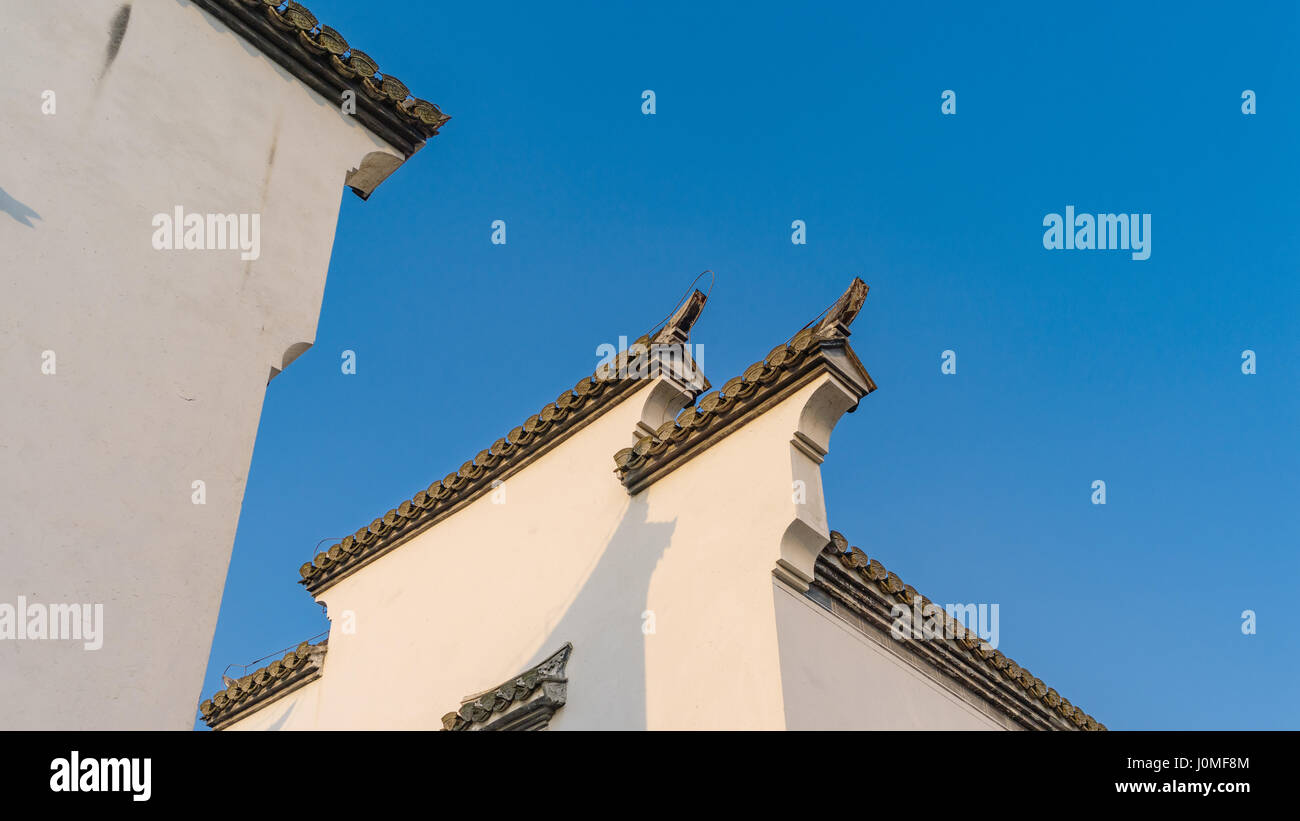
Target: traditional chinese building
point(644, 552)
point(134, 371)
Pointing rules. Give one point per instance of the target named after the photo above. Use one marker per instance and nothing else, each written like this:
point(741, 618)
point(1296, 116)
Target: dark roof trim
point(291, 36)
point(540, 433)
point(298, 668)
point(786, 369)
point(864, 593)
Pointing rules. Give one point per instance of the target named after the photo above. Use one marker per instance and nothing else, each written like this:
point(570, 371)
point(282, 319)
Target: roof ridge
point(538, 433)
point(869, 571)
point(697, 421)
point(291, 35)
point(274, 679)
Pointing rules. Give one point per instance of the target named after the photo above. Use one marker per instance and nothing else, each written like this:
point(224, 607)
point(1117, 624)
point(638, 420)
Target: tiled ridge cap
point(317, 54)
point(577, 405)
point(872, 573)
point(262, 684)
point(695, 422)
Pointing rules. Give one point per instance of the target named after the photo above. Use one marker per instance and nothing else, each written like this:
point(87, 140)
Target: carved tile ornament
point(525, 702)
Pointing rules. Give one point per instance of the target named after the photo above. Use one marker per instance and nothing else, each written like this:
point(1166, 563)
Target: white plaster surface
point(162, 356)
point(495, 588)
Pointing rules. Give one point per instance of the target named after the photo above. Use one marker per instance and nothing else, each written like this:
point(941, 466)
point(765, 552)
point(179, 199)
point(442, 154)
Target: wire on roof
point(275, 654)
point(713, 278)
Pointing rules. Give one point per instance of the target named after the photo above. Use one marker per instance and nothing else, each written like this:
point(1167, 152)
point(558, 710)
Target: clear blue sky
point(1072, 365)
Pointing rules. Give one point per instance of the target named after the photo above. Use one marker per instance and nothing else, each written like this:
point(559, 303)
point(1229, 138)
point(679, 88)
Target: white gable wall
point(162, 356)
point(570, 557)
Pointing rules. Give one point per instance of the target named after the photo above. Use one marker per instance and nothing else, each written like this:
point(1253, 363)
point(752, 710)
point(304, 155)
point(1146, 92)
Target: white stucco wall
point(570, 557)
point(162, 356)
point(495, 588)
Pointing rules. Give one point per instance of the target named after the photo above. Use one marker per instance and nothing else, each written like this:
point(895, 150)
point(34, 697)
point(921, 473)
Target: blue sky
point(974, 487)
